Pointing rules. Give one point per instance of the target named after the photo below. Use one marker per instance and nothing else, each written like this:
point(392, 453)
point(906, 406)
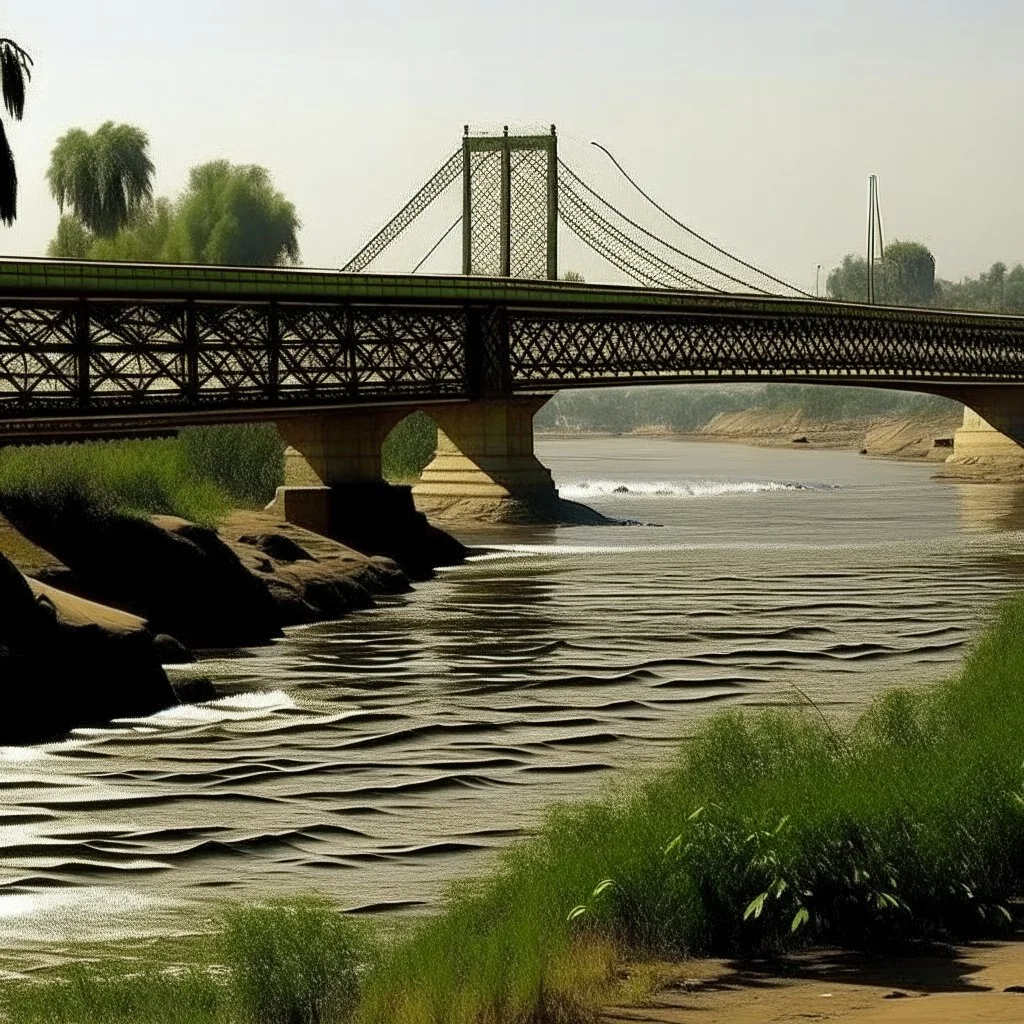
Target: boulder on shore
point(66, 663)
point(182, 578)
point(237, 586)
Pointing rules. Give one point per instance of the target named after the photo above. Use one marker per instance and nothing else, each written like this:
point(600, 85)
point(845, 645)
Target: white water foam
point(581, 490)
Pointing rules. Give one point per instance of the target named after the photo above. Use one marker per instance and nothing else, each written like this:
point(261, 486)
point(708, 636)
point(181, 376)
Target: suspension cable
point(437, 245)
point(581, 220)
point(661, 241)
point(637, 248)
point(437, 184)
point(616, 259)
point(700, 237)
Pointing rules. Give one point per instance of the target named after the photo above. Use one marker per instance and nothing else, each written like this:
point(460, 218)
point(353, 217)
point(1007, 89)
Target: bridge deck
point(114, 348)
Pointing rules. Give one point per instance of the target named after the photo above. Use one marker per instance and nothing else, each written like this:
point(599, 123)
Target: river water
point(376, 759)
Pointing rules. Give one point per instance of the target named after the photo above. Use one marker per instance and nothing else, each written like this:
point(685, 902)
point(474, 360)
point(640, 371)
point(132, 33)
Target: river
point(376, 759)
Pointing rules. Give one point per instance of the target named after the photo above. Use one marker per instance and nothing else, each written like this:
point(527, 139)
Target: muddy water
point(377, 758)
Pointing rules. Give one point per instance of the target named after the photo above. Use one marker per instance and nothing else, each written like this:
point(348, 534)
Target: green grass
point(290, 962)
point(769, 832)
point(198, 475)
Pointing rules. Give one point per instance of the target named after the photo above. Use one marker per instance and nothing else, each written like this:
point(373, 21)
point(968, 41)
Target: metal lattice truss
point(510, 206)
point(92, 360)
point(556, 350)
point(485, 220)
point(95, 364)
point(529, 212)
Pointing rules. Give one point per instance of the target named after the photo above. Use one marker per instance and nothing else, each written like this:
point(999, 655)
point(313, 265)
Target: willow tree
point(105, 178)
point(15, 71)
point(232, 214)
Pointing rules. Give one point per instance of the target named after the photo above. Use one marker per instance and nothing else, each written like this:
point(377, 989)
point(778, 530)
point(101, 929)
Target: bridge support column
point(334, 486)
point(992, 434)
point(485, 466)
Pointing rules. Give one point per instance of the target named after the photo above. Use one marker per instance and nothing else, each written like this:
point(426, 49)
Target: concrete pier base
point(485, 468)
point(989, 444)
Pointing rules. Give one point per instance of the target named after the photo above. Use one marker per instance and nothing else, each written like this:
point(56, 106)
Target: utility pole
point(875, 242)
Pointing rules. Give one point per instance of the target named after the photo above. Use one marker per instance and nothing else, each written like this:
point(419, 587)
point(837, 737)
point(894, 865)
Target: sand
point(981, 982)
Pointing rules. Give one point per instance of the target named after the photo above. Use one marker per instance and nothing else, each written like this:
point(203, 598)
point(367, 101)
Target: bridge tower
point(510, 205)
point(484, 462)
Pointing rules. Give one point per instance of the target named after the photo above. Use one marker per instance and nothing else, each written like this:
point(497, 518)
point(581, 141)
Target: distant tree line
point(687, 407)
point(227, 214)
point(905, 276)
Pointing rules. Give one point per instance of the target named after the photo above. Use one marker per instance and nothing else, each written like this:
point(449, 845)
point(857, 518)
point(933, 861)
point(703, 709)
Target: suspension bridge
point(338, 358)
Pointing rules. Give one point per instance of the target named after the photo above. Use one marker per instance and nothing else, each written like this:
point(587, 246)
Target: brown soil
point(978, 983)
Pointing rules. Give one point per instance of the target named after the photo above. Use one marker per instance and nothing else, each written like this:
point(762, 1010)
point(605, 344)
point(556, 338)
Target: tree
point(73, 240)
point(144, 240)
point(105, 178)
point(573, 277)
point(232, 214)
point(849, 281)
point(905, 276)
point(908, 274)
point(15, 71)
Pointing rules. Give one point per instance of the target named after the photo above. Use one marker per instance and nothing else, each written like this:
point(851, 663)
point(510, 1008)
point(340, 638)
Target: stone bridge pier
point(992, 434)
point(484, 468)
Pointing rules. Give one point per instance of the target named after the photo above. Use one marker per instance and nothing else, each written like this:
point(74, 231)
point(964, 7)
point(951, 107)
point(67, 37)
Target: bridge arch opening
point(409, 448)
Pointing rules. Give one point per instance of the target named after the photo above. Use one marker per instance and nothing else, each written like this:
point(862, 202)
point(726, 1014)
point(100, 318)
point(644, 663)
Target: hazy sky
point(758, 122)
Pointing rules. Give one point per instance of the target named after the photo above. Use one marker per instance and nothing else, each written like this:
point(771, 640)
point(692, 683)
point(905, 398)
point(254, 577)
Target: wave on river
point(580, 490)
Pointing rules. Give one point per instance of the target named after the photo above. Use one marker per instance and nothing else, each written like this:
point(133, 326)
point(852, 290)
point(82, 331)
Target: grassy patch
point(771, 831)
point(290, 962)
point(198, 475)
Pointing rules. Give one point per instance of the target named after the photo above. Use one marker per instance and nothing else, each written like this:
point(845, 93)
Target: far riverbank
point(911, 438)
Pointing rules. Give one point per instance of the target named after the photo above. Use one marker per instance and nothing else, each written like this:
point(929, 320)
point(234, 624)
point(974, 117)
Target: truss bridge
point(337, 358)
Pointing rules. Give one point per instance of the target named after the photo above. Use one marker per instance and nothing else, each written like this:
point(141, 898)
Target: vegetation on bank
point(905, 276)
point(198, 475)
point(771, 831)
point(687, 407)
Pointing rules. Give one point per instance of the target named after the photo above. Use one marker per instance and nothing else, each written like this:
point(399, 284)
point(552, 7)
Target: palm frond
point(8, 181)
point(15, 71)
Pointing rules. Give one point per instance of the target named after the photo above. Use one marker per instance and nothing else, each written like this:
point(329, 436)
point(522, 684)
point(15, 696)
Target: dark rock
point(800, 440)
point(171, 651)
point(65, 663)
point(198, 689)
point(180, 577)
point(278, 546)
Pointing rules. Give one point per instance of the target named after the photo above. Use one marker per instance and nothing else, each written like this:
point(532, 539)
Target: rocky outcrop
point(182, 578)
point(311, 578)
point(203, 588)
point(66, 662)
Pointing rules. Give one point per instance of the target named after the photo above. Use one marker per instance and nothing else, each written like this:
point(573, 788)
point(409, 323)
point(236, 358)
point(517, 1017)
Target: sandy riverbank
point(916, 438)
point(957, 985)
